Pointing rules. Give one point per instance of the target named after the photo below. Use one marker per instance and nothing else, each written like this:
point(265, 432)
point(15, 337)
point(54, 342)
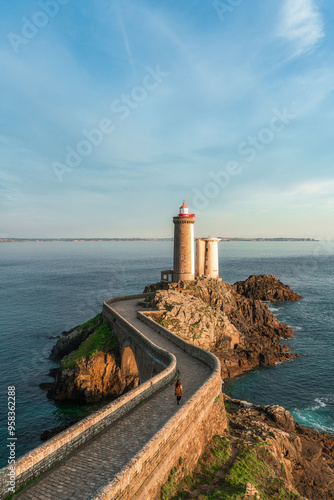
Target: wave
point(315, 415)
point(306, 419)
point(297, 327)
point(321, 402)
point(326, 400)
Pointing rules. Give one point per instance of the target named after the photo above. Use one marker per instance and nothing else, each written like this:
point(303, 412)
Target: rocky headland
point(232, 321)
point(229, 320)
point(90, 365)
point(263, 455)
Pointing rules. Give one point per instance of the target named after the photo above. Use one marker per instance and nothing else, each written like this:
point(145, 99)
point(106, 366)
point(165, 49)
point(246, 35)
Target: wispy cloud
point(127, 44)
point(302, 25)
point(314, 187)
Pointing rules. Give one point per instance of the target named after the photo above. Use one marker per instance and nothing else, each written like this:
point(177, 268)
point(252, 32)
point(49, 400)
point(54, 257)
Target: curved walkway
point(96, 463)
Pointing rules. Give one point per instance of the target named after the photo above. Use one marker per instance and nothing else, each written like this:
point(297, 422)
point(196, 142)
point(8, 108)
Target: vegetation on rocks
point(90, 368)
point(263, 454)
point(228, 320)
point(101, 340)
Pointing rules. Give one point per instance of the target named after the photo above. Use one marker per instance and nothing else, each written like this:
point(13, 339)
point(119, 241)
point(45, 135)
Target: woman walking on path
point(178, 391)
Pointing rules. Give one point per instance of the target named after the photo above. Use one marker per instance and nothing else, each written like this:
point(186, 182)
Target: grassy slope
point(223, 471)
point(100, 340)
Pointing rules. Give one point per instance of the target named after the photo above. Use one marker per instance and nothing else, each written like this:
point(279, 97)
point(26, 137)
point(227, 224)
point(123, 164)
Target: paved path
point(79, 476)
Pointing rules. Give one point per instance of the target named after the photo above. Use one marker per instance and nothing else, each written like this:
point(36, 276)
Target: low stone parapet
point(184, 436)
point(61, 446)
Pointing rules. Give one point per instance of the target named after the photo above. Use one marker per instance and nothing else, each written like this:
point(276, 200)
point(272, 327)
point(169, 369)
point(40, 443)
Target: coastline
point(77, 240)
point(72, 296)
point(291, 443)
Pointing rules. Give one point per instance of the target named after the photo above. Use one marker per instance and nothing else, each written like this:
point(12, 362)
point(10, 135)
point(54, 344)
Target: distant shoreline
point(76, 240)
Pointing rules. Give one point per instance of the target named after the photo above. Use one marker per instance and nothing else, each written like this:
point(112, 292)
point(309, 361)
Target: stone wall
point(185, 435)
point(150, 361)
point(59, 447)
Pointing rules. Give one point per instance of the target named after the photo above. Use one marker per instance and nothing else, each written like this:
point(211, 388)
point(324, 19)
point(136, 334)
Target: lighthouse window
point(182, 244)
point(181, 257)
point(182, 230)
point(182, 271)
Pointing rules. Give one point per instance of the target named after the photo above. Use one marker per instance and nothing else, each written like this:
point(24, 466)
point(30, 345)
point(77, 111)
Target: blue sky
point(114, 112)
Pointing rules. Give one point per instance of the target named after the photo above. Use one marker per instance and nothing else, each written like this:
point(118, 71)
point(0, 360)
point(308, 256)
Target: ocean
point(49, 287)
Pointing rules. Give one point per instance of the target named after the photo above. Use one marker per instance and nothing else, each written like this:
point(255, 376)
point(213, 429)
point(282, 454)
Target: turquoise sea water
point(46, 288)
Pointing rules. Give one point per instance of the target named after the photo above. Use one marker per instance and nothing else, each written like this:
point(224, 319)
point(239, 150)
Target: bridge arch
point(129, 368)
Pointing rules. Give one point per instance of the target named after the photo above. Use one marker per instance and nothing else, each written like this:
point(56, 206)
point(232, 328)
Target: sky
point(114, 111)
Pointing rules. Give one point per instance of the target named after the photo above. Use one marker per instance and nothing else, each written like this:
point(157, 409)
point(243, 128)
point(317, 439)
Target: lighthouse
point(184, 251)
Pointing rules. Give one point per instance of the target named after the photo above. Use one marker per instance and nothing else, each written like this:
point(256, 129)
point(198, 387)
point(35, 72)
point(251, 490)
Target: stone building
point(184, 251)
point(207, 263)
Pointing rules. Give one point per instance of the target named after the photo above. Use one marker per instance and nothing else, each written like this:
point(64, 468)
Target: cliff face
point(90, 367)
point(263, 454)
point(91, 380)
point(241, 331)
point(301, 457)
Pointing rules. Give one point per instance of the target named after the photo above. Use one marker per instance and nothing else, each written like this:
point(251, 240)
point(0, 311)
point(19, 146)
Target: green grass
point(228, 493)
point(191, 286)
point(249, 466)
point(168, 489)
point(246, 469)
point(101, 340)
point(21, 488)
point(162, 321)
point(91, 321)
point(215, 455)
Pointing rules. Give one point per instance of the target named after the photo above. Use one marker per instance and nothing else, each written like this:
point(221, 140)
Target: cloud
point(315, 187)
point(302, 25)
point(127, 45)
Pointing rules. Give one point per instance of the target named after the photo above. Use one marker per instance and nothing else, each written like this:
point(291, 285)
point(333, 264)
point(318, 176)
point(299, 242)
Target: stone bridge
point(127, 449)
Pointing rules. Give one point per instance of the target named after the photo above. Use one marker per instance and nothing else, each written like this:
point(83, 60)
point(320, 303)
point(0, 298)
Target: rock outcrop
point(92, 379)
point(265, 287)
point(263, 455)
point(210, 313)
point(90, 367)
point(299, 456)
point(71, 340)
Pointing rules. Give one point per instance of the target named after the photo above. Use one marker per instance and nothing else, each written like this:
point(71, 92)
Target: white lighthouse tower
point(207, 263)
